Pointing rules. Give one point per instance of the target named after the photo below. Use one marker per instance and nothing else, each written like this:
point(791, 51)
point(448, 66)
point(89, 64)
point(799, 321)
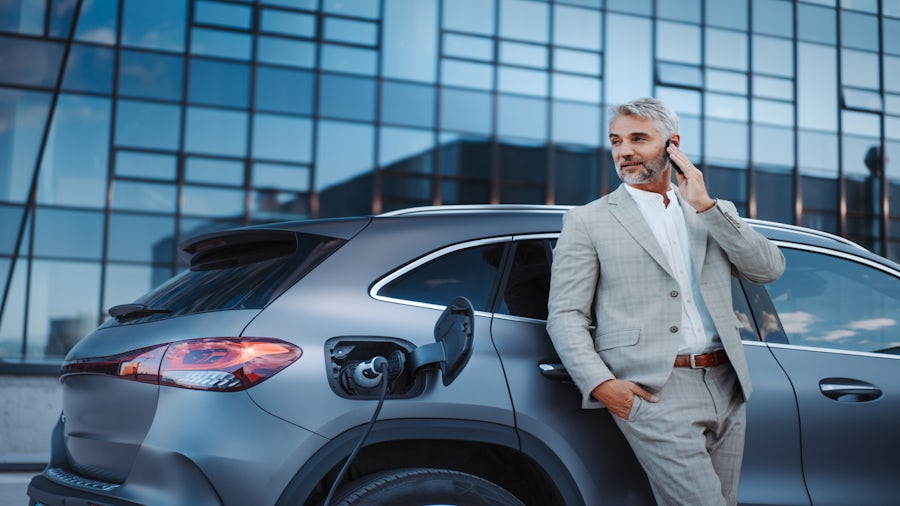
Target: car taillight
point(220, 364)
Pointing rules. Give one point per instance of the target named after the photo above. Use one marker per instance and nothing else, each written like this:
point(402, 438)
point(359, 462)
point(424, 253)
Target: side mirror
point(454, 333)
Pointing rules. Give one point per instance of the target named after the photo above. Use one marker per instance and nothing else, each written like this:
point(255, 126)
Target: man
point(653, 263)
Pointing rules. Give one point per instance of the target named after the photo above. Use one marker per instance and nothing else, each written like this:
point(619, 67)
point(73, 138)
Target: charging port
point(345, 354)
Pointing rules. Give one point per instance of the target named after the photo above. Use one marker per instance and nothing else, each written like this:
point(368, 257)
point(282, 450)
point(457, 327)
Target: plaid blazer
point(608, 263)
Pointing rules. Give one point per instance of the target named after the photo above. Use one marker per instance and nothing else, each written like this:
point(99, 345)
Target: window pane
point(731, 14)
point(773, 87)
point(582, 89)
point(678, 42)
point(283, 138)
point(220, 43)
point(577, 174)
point(465, 46)
point(409, 54)
point(579, 62)
point(407, 104)
point(475, 16)
point(150, 75)
point(467, 111)
point(75, 171)
point(406, 149)
point(773, 17)
point(773, 56)
point(205, 85)
point(361, 8)
point(576, 123)
point(351, 60)
point(575, 27)
point(859, 69)
point(774, 147)
point(281, 177)
point(288, 23)
point(148, 125)
point(294, 53)
point(146, 165)
point(214, 171)
point(284, 90)
point(25, 114)
point(68, 234)
point(528, 282)
point(816, 24)
point(522, 81)
point(141, 238)
point(23, 17)
point(469, 273)
point(214, 202)
point(524, 20)
point(683, 10)
point(729, 82)
point(154, 197)
point(30, 62)
point(348, 30)
point(528, 55)
point(522, 117)
point(89, 69)
point(347, 97)
point(125, 283)
point(726, 50)
point(817, 87)
point(155, 25)
point(64, 306)
point(829, 302)
point(335, 163)
point(222, 14)
point(726, 144)
point(216, 131)
point(859, 31)
point(97, 21)
point(467, 74)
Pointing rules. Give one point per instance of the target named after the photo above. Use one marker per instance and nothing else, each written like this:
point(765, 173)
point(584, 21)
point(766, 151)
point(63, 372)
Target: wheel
point(423, 487)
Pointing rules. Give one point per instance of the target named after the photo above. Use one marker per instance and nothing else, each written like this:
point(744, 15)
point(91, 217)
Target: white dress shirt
point(667, 223)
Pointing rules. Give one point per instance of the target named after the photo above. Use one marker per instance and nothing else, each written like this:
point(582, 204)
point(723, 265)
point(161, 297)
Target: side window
point(470, 272)
point(528, 283)
point(831, 302)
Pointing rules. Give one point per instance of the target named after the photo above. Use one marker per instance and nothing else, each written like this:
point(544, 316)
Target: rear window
point(238, 272)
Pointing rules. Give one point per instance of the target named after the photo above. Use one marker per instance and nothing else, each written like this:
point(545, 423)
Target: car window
point(528, 282)
point(832, 302)
point(469, 272)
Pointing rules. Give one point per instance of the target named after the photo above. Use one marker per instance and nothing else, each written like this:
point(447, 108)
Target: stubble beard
point(650, 171)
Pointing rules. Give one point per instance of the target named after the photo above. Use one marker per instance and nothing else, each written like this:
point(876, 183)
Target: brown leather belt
point(701, 360)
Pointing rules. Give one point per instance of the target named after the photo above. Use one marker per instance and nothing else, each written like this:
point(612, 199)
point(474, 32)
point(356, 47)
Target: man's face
point(637, 149)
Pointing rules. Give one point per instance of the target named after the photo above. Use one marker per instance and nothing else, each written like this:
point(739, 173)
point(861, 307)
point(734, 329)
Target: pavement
point(13, 487)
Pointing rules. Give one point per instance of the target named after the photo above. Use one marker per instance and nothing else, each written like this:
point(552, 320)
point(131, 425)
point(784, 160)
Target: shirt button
point(674, 293)
point(673, 329)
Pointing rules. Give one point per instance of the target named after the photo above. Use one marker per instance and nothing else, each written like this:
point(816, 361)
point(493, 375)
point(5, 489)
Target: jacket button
point(674, 293)
point(673, 329)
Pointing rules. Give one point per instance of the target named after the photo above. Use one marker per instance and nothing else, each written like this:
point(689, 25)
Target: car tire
point(425, 486)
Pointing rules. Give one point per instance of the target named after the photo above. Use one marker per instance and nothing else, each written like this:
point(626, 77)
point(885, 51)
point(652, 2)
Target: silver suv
point(254, 377)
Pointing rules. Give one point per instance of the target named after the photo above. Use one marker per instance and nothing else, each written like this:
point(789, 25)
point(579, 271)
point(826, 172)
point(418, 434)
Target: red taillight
point(221, 364)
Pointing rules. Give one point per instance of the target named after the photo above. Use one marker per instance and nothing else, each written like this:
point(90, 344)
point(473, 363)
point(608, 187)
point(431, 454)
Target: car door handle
point(554, 371)
point(849, 390)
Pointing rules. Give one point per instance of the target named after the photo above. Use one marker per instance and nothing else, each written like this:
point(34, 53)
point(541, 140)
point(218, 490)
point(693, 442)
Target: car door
point(587, 442)
point(837, 336)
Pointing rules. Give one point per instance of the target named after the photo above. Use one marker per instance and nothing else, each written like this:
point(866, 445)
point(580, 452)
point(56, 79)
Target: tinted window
point(469, 272)
point(528, 283)
point(830, 302)
point(238, 272)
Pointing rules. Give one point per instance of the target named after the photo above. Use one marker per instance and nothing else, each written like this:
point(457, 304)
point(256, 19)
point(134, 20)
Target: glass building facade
point(127, 126)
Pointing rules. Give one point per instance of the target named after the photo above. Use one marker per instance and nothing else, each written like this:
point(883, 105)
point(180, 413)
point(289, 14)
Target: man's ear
point(676, 140)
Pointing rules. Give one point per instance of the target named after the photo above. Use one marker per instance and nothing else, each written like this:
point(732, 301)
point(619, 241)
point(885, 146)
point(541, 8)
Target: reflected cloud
point(873, 324)
point(797, 322)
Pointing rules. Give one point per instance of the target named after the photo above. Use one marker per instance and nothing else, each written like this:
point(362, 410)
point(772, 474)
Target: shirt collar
point(646, 197)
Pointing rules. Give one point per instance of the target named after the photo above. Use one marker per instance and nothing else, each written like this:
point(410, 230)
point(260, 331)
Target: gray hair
point(648, 108)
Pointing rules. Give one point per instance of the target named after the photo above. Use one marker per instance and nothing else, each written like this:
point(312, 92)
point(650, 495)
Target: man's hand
point(690, 184)
point(618, 396)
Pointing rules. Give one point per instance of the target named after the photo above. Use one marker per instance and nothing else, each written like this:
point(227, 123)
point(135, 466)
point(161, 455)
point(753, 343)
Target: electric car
point(403, 359)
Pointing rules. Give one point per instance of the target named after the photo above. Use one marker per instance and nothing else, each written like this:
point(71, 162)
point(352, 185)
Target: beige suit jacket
point(607, 262)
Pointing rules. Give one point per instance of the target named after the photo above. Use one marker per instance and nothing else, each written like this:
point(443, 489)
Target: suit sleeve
point(753, 256)
point(573, 281)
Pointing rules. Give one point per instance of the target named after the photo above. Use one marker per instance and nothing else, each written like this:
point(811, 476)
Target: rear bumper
point(43, 491)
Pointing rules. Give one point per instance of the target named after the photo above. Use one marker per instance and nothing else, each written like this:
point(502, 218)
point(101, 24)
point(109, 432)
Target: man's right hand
point(618, 396)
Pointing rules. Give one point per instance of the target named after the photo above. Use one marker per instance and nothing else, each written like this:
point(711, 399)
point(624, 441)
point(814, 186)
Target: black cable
point(359, 444)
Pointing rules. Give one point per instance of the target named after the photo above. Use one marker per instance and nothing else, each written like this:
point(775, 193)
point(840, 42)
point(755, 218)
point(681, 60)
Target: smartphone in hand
point(675, 165)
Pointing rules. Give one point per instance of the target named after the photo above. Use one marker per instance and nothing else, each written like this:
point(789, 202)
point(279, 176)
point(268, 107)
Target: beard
point(650, 171)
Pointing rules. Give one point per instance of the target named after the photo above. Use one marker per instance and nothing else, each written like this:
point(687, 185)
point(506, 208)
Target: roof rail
point(468, 208)
point(804, 230)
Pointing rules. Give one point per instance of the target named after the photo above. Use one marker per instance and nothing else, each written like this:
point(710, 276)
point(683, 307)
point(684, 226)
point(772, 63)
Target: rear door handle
point(849, 390)
point(554, 371)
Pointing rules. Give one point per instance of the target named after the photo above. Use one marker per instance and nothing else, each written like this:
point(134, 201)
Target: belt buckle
point(694, 361)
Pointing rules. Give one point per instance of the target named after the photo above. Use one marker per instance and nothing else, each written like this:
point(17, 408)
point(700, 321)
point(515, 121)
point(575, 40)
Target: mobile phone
point(675, 165)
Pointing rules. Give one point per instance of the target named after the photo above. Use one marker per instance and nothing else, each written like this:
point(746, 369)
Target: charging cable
point(367, 374)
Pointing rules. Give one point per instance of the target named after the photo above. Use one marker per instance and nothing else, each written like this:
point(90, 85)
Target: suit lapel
point(696, 233)
point(626, 211)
